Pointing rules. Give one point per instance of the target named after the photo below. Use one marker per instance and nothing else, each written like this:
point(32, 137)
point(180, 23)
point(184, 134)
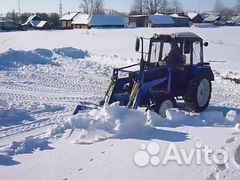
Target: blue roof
point(161, 19)
point(106, 20)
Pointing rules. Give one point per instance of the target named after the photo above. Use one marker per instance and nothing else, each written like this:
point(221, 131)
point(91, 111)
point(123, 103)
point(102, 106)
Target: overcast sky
point(73, 5)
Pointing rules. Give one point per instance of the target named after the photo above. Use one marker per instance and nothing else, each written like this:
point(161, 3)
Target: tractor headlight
point(173, 36)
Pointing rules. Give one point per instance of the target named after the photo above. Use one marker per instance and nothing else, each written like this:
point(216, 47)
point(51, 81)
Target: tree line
point(227, 12)
point(155, 6)
point(138, 7)
point(52, 18)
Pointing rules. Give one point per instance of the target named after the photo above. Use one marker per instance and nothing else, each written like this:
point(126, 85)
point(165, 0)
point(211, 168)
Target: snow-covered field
point(45, 74)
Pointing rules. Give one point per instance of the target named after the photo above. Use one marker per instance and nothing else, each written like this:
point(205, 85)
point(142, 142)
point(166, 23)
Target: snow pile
point(232, 116)
point(232, 75)
point(6, 160)
point(115, 120)
point(14, 116)
point(176, 117)
point(28, 145)
point(72, 52)
point(204, 25)
point(14, 58)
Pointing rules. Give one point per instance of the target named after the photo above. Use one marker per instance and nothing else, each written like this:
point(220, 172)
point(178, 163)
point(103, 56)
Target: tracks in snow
point(34, 87)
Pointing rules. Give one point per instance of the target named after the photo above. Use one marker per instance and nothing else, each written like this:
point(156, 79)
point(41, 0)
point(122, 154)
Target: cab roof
point(179, 36)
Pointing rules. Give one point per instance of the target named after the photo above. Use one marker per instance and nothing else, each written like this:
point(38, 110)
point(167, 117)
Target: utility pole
point(19, 7)
point(60, 8)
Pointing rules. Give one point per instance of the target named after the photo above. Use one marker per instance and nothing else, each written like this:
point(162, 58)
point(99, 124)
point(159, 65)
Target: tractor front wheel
point(199, 95)
point(163, 103)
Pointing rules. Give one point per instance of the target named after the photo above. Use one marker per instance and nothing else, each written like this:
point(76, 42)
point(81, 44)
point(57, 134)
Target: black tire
point(160, 101)
point(193, 100)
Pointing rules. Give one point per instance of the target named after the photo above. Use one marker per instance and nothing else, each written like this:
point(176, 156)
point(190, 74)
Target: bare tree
point(86, 6)
point(152, 6)
point(227, 13)
point(237, 7)
point(98, 7)
point(165, 6)
point(137, 7)
point(93, 6)
point(218, 7)
point(177, 6)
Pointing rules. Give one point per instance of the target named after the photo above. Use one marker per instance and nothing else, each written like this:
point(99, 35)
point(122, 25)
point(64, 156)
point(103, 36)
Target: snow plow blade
point(84, 106)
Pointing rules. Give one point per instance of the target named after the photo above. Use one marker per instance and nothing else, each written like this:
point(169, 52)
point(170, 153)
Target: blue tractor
point(172, 69)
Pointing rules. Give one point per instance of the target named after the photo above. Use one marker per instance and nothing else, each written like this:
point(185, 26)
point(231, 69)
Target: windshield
point(160, 51)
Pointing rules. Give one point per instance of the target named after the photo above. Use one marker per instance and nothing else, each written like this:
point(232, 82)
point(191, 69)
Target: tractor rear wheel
point(163, 103)
point(199, 95)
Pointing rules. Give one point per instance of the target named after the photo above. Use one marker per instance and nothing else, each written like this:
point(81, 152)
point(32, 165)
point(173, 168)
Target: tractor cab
point(172, 68)
point(177, 49)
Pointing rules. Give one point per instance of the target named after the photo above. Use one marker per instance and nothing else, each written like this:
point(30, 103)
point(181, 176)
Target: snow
point(81, 19)
point(115, 120)
point(192, 15)
point(30, 19)
point(99, 20)
point(72, 52)
point(45, 74)
point(28, 145)
point(41, 24)
point(68, 16)
point(211, 18)
point(205, 25)
point(13, 58)
point(177, 16)
point(161, 19)
point(233, 116)
point(236, 19)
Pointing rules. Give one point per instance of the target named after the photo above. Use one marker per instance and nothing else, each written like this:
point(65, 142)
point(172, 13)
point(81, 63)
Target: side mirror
point(187, 48)
point(206, 44)
point(137, 45)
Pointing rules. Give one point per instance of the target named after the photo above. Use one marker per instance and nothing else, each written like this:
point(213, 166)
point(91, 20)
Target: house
point(36, 22)
point(195, 17)
point(67, 19)
point(212, 19)
point(106, 21)
point(98, 21)
point(137, 20)
point(236, 20)
point(1, 24)
point(80, 21)
point(8, 25)
point(181, 21)
point(159, 20)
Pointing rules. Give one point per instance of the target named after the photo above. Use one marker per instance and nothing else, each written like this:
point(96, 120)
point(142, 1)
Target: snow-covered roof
point(138, 16)
point(192, 15)
point(68, 16)
point(161, 19)
point(38, 24)
point(186, 35)
point(236, 19)
point(106, 20)
point(32, 18)
point(211, 18)
point(177, 16)
point(81, 19)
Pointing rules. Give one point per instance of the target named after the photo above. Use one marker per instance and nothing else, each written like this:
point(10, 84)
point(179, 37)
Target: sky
point(73, 5)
